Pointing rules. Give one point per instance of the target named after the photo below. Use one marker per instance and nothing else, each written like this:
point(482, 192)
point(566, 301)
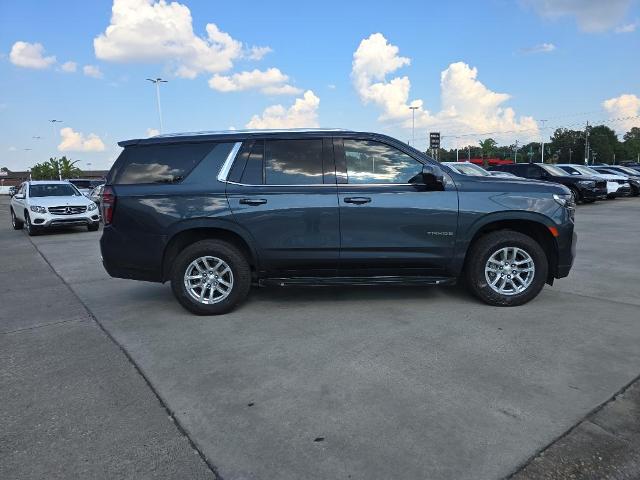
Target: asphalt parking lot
point(361, 383)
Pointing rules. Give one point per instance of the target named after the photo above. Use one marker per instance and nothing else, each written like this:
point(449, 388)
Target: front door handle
point(357, 200)
point(253, 201)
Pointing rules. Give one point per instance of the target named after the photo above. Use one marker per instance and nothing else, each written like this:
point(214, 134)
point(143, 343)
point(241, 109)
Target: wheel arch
point(191, 232)
point(533, 225)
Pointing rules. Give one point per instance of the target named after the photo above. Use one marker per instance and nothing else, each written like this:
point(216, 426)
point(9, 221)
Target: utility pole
point(457, 158)
point(570, 154)
point(542, 143)
point(586, 144)
point(469, 153)
point(515, 160)
point(413, 125)
point(53, 124)
point(157, 82)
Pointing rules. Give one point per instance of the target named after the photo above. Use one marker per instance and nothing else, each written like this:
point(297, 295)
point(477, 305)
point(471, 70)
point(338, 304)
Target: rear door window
point(293, 162)
point(159, 163)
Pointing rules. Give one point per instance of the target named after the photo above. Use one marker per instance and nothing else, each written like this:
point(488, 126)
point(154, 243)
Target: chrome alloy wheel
point(509, 271)
point(13, 218)
point(208, 280)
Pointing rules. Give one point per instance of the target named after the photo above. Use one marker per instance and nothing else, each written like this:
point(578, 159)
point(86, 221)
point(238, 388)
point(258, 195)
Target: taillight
point(108, 204)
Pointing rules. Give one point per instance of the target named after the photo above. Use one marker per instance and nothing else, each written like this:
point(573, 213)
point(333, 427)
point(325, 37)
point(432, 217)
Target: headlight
point(564, 200)
point(37, 209)
point(587, 183)
point(92, 206)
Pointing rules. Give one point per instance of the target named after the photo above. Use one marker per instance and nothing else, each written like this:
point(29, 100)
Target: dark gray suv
point(217, 212)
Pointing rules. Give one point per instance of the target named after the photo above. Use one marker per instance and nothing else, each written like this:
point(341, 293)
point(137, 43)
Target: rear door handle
point(253, 201)
point(357, 200)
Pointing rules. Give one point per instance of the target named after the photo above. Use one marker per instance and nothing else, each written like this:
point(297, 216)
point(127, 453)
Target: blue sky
point(552, 59)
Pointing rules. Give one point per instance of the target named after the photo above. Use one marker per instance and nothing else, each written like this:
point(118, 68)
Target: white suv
point(44, 204)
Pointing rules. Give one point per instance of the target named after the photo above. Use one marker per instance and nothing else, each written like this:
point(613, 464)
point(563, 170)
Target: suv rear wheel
point(506, 268)
point(210, 277)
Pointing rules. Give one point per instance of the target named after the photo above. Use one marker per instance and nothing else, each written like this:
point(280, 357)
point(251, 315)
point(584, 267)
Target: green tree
point(567, 145)
point(602, 144)
point(487, 146)
point(629, 149)
point(55, 168)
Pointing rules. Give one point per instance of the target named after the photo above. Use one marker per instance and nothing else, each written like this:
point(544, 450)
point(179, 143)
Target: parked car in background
point(43, 204)
point(468, 168)
point(12, 191)
point(617, 185)
point(96, 194)
point(496, 173)
point(632, 175)
point(214, 213)
point(84, 185)
point(584, 189)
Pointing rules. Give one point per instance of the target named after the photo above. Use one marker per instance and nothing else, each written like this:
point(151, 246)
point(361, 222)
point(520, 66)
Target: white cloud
point(69, 67)
point(540, 48)
point(157, 31)
point(30, 55)
point(622, 107)
point(270, 82)
point(152, 132)
point(73, 141)
point(257, 53)
point(627, 28)
point(591, 15)
point(303, 113)
point(467, 105)
point(92, 71)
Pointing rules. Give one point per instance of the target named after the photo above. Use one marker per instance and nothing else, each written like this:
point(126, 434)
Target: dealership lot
point(339, 382)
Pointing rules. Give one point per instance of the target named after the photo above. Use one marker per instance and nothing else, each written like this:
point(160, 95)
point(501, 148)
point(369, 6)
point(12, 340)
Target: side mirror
point(432, 177)
point(19, 196)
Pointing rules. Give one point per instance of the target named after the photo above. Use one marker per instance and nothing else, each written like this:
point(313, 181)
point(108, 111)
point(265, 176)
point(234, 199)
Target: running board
point(381, 280)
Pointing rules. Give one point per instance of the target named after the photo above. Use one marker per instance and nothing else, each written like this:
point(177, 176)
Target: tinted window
point(159, 163)
point(293, 162)
point(375, 162)
point(53, 190)
point(252, 174)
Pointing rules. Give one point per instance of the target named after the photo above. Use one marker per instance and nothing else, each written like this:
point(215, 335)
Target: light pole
point(157, 82)
point(413, 125)
point(542, 143)
point(53, 124)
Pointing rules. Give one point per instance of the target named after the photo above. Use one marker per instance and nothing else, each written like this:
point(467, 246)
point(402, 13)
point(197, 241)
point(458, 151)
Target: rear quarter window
point(158, 163)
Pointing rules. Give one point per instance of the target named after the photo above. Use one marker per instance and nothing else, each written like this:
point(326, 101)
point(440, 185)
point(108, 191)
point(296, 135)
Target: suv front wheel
point(210, 277)
point(506, 268)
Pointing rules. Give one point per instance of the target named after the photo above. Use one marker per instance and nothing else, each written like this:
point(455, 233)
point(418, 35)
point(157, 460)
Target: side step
point(381, 280)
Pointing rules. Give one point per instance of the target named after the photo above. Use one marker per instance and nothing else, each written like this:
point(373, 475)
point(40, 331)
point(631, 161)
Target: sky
point(506, 69)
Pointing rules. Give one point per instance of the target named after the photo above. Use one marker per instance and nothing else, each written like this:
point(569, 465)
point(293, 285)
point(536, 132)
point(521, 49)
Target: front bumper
point(594, 193)
point(52, 221)
point(566, 255)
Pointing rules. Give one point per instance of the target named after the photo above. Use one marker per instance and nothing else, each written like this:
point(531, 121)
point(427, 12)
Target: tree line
point(564, 146)
point(56, 168)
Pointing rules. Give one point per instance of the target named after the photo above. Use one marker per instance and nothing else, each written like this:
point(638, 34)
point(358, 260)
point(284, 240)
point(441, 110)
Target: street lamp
point(157, 82)
point(53, 124)
point(413, 125)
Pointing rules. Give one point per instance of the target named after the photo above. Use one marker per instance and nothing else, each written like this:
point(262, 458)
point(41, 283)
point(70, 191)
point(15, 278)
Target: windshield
point(555, 171)
point(628, 170)
point(585, 170)
point(469, 169)
point(53, 190)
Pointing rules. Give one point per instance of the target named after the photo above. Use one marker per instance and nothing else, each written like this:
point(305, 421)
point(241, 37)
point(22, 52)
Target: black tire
point(15, 223)
point(31, 230)
point(576, 194)
point(92, 227)
point(484, 248)
point(216, 248)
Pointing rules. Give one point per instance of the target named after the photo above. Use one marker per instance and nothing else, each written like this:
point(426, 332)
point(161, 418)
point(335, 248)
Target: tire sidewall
point(477, 278)
point(239, 268)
